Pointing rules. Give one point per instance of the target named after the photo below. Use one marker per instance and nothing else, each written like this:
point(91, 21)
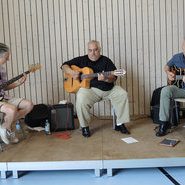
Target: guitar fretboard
point(5, 84)
point(95, 75)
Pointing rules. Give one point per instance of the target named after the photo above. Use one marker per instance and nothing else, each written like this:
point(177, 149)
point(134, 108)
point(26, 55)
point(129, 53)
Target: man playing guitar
point(172, 91)
point(13, 108)
point(101, 88)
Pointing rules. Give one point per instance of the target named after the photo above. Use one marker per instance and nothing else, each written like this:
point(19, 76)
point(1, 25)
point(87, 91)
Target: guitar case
point(38, 116)
point(155, 105)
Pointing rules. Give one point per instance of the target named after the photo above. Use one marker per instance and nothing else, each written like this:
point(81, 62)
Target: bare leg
point(10, 115)
point(24, 108)
point(13, 113)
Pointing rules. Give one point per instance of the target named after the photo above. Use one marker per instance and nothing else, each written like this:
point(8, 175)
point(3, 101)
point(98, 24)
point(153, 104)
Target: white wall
point(138, 35)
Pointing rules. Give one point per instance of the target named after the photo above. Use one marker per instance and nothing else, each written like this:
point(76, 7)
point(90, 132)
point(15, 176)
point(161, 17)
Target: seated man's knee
point(30, 106)
point(9, 110)
point(122, 94)
point(82, 97)
point(120, 91)
point(81, 100)
point(166, 91)
point(26, 105)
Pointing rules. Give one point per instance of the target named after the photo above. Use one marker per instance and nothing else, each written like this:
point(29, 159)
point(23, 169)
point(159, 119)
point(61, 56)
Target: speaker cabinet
point(61, 117)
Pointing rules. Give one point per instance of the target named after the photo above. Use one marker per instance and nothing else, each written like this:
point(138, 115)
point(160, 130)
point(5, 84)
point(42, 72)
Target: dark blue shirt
point(178, 60)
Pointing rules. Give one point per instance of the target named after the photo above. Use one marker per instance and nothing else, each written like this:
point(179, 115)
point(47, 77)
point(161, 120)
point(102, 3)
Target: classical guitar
point(179, 73)
point(86, 75)
point(31, 68)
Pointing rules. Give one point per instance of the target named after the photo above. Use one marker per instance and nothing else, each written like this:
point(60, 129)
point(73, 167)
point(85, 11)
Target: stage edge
point(3, 169)
point(15, 167)
point(141, 163)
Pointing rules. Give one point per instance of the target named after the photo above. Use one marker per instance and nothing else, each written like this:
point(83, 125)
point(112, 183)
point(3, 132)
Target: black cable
point(169, 176)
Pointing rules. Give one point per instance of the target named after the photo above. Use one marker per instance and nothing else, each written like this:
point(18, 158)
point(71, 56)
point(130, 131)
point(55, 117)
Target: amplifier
point(61, 117)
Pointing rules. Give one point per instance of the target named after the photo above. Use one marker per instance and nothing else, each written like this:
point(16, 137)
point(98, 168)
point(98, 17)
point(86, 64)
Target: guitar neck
point(5, 84)
point(96, 74)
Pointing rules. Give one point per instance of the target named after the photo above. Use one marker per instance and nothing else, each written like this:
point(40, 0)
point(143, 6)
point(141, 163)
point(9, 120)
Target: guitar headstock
point(33, 68)
point(119, 72)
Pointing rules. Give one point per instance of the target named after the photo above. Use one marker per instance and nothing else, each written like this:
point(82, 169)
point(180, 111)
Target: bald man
point(170, 92)
point(101, 88)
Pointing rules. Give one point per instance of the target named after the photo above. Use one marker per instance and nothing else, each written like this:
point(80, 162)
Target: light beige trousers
point(86, 98)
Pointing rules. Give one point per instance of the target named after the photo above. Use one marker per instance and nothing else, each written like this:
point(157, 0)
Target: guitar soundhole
point(81, 76)
point(66, 79)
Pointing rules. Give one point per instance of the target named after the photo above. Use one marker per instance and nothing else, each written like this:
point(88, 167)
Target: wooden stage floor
point(103, 150)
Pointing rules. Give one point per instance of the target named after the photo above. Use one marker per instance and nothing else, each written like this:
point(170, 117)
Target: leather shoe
point(163, 129)
point(86, 132)
point(122, 129)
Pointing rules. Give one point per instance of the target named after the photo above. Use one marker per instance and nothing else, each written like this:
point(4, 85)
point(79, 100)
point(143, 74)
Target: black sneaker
point(122, 129)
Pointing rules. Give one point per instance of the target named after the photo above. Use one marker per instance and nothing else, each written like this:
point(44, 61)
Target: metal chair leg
point(1, 147)
point(171, 112)
point(2, 119)
point(174, 104)
point(114, 117)
point(176, 112)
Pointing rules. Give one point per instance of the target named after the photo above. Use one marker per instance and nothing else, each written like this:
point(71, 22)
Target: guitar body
point(179, 73)
point(72, 85)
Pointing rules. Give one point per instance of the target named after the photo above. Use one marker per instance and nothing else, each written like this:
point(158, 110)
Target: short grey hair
point(3, 49)
point(95, 41)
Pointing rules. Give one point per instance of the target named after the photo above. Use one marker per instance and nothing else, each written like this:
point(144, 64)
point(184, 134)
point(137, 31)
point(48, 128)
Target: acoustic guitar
point(86, 75)
point(179, 73)
point(31, 68)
